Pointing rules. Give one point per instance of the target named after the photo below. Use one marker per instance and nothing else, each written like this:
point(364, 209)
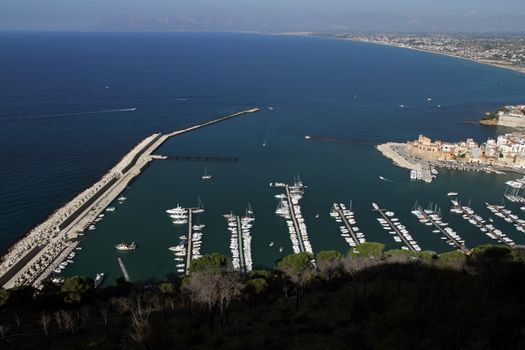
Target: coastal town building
point(507, 150)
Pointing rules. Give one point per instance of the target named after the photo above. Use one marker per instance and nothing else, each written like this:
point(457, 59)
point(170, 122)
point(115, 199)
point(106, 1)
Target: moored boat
point(126, 246)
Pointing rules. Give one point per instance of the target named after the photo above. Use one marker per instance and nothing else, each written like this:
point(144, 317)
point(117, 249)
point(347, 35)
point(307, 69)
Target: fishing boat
point(126, 246)
point(206, 176)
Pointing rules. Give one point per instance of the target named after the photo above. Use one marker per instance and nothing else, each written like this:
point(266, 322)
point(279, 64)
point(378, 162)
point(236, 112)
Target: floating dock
point(64, 226)
point(210, 159)
point(397, 228)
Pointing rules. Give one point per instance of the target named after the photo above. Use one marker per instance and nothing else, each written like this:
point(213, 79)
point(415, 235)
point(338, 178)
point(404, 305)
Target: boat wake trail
point(78, 113)
point(389, 181)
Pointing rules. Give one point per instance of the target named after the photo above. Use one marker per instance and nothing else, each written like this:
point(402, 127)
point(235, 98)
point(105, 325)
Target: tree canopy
point(214, 262)
point(368, 249)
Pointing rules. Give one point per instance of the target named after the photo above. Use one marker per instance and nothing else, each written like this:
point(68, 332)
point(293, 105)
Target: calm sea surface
point(65, 119)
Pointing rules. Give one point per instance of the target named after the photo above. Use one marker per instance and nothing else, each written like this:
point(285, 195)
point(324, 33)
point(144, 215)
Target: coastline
point(487, 63)
point(32, 258)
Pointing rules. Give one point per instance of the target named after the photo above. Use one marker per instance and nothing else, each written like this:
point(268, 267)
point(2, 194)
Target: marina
point(342, 215)
point(290, 210)
point(432, 217)
point(332, 170)
point(488, 229)
point(391, 224)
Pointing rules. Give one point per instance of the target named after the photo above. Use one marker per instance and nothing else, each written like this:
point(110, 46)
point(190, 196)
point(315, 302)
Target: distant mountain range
point(492, 23)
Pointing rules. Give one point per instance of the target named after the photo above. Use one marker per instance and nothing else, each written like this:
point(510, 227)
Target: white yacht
point(98, 279)
point(180, 221)
point(126, 246)
point(177, 210)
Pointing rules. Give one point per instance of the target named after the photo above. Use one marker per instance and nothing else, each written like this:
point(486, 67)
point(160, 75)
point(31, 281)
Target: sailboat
point(200, 207)
point(206, 176)
point(249, 215)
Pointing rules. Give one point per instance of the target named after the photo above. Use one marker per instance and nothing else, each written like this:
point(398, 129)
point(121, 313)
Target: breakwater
point(25, 264)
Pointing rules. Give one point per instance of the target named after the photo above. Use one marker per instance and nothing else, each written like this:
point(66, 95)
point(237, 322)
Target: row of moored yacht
point(345, 216)
point(431, 217)
point(290, 210)
point(395, 228)
point(240, 242)
point(180, 216)
point(487, 228)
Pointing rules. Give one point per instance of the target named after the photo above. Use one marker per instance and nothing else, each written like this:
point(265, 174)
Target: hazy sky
point(263, 15)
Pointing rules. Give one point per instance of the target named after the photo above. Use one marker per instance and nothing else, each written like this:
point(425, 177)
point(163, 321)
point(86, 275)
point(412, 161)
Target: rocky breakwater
point(38, 251)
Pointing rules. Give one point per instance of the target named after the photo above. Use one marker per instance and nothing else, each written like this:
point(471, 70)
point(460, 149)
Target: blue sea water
point(66, 118)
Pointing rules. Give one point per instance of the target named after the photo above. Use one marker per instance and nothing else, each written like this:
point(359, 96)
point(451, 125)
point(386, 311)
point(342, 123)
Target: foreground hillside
point(369, 299)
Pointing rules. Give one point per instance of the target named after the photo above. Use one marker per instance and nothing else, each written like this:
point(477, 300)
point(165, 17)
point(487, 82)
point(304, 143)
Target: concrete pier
point(61, 229)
